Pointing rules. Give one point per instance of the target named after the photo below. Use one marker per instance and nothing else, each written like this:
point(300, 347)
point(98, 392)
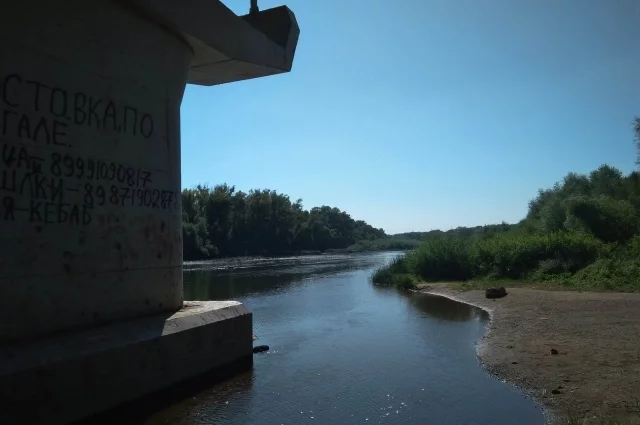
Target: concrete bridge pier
point(91, 301)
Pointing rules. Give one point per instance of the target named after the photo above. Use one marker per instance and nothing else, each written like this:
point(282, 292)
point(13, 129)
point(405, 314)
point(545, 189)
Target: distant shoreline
point(300, 254)
point(378, 245)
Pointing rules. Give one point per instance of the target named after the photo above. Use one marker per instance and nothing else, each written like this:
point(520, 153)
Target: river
point(345, 351)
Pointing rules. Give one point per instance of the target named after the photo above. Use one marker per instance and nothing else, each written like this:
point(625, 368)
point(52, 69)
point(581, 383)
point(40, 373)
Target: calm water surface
point(344, 351)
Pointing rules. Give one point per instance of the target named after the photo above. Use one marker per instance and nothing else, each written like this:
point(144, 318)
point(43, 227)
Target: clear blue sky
point(425, 114)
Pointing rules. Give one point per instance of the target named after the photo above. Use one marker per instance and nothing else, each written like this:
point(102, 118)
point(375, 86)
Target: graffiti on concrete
point(57, 109)
point(43, 182)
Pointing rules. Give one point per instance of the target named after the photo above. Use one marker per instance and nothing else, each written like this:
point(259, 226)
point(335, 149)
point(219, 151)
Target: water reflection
point(212, 403)
point(187, 403)
point(241, 277)
point(446, 309)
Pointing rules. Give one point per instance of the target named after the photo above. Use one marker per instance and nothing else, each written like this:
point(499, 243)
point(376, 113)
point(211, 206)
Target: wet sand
point(596, 371)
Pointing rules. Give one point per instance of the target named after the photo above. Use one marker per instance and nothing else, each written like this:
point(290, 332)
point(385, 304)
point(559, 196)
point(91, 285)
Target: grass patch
point(394, 274)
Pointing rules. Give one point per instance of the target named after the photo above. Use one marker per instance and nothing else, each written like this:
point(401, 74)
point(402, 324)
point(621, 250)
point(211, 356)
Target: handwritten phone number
point(97, 195)
point(79, 168)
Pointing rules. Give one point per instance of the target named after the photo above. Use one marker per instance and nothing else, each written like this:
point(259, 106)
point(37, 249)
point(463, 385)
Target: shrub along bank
point(584, 233)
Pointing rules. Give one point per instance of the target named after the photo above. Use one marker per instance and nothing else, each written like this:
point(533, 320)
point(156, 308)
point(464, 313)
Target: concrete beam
point(227, 47)
point(70, 376)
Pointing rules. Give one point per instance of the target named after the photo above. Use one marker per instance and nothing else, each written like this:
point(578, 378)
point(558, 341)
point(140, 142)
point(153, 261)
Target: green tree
point(636, 129)
point(220, 221)
point(608, 219)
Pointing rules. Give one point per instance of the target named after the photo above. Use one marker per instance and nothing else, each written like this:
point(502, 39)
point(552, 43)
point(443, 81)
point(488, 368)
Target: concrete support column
point(91, 302)
point(90, 212)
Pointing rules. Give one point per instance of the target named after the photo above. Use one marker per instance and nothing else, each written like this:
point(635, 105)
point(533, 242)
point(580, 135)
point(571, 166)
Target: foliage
point(441, 257)
point(583, 233)
point(394, 274)
point(415, 236)
point(610, 220)
point(383, 244)
point(636, 129)
point(223, 222)
point(467, 232)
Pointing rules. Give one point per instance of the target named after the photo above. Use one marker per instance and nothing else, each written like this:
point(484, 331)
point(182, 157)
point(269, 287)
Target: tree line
point(221, 221)
point(583, 232)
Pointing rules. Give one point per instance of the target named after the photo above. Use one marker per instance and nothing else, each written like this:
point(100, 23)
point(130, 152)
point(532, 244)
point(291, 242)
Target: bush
point(511, 255)
point(441, 258)
point(555, 266)
point(583, 233)
point(610, 220)
point(196, 245)
point(382, 276)
point(519, 255)
point(608, 274)
point(553, 215)
point(618, 269)
point(403, 281)
point(632, 249)
point(393, 274)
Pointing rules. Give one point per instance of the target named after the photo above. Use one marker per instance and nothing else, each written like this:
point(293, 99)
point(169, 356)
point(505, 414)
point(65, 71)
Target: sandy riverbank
point(597, 336)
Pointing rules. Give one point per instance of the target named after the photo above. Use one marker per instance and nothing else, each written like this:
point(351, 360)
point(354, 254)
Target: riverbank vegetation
point(583, 233)
point(390, 243)
point(223, 222)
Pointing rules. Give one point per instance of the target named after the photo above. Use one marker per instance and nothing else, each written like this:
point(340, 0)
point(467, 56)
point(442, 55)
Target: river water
point(344, 351)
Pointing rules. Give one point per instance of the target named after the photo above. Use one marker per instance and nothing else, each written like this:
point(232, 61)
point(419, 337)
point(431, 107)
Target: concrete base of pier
point(70, 376)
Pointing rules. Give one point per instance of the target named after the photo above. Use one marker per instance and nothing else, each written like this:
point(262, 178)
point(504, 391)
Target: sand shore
point(596, 372)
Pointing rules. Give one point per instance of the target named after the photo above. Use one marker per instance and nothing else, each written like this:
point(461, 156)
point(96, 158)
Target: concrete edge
point(220, 38)
point(70, 345)
point(74, 378)
point(136, 411)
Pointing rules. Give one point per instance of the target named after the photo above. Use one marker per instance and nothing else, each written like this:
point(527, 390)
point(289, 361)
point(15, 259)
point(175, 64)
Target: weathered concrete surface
point(60, 379)
point(90, 208)
point(227, 48)
point(90, 215)
point(90, 94)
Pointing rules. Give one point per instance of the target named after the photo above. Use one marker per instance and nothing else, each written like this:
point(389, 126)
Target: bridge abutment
point(91, 300)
